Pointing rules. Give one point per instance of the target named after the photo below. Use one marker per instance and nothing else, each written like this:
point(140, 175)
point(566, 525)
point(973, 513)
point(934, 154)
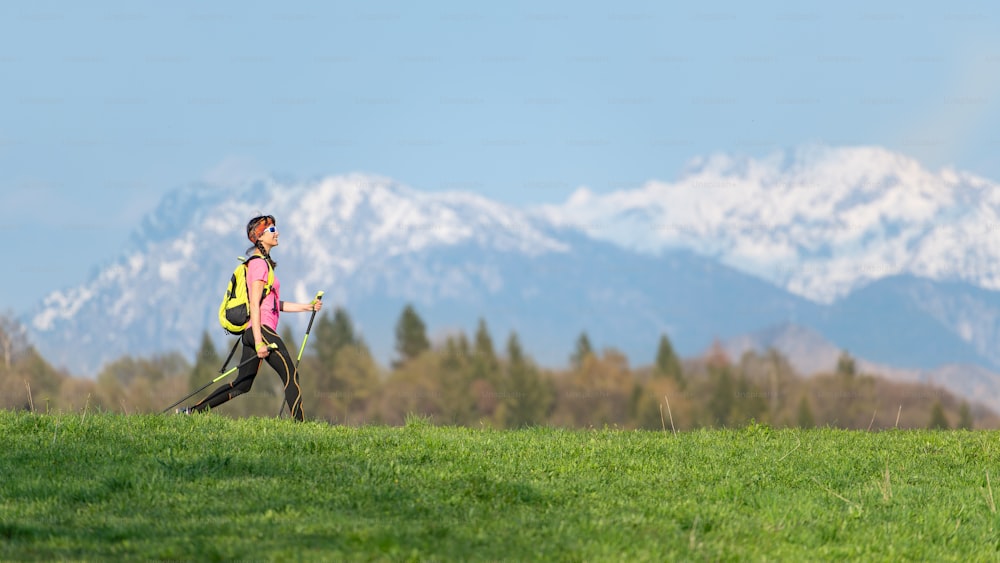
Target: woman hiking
point(263, 330)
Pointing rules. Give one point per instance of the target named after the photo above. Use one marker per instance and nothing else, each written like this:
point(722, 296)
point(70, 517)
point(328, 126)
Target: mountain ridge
point(818, 221)
point(374, 244)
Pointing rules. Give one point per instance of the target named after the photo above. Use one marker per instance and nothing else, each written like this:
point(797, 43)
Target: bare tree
point(13, 338)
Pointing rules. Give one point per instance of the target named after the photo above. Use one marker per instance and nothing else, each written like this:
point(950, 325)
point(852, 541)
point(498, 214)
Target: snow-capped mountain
point(348, 235)
point(818, 221)
point(863, 246)
point(374, 245)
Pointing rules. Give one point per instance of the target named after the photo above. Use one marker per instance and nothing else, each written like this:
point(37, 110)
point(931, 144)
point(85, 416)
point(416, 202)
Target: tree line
point(468, 380)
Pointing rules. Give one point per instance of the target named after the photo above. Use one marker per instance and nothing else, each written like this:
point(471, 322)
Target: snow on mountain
point(817, 221)
point(863, 246)
point(336, 234)
point(351, 225)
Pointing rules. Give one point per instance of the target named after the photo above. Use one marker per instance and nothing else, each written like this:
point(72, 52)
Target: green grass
point(211, 488)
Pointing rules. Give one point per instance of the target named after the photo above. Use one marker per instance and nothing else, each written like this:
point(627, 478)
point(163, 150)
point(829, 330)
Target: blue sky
point(105, 106)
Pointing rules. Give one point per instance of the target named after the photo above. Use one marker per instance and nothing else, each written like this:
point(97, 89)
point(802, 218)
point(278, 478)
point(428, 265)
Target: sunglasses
point(271, 229)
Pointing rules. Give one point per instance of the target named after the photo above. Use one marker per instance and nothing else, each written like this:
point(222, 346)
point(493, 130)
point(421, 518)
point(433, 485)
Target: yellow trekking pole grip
point(319, 297)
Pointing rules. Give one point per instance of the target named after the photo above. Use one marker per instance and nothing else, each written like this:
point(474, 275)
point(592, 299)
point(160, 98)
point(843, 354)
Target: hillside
point(98, 486)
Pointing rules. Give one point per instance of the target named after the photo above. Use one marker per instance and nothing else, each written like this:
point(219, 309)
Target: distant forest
point(468, 380)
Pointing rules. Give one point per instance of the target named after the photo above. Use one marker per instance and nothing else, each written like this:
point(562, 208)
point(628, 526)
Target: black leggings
point(278, 359)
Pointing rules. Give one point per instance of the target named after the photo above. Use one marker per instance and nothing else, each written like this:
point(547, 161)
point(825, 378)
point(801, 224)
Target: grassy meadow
point(205, 487)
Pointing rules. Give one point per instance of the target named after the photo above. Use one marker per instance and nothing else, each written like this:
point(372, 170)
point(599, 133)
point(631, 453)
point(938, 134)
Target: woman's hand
point(262, 350)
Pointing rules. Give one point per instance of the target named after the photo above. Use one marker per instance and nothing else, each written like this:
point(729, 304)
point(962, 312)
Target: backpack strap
point(267, 284)
point(231, 352)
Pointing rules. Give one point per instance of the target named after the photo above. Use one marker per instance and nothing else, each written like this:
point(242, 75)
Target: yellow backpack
point(234, 312)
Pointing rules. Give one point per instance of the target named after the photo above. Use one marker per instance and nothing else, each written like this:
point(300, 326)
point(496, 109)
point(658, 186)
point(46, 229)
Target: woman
point(263, 331)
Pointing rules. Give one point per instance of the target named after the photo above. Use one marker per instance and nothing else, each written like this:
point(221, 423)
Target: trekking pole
point(298, 360)
point(319, 297)
point(271, 346)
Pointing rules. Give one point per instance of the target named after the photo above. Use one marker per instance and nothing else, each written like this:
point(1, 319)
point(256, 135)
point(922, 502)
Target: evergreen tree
point(455, 373)
point(484, 344)
point(805, 415)
point(720, 404)
point(484, 357)
point(354, 385)
point(964, 417)
point(333, 335)
point(453, 355)
point(938, 420)
point(846, 365)
point(778, 373)
point(207, 363)
point(411, 336)
point(342, 375)
point(635, 403)
point(599, 391)
point(667, 362)
point(749, 403)
point(485, 371)
point(526, 398)
point(289, 339)
point(343, 330)
point(462, 346)
point(323, 348)
point(583, 349)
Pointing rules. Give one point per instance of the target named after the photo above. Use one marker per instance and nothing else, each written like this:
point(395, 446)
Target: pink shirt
point(269, 308)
